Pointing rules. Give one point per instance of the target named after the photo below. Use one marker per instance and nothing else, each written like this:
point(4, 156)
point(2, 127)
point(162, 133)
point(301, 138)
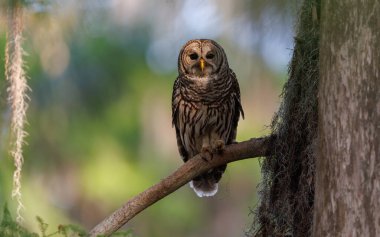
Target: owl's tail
point(206, 185)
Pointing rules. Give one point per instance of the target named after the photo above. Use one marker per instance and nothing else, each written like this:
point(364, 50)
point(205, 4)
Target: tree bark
point(347, 195)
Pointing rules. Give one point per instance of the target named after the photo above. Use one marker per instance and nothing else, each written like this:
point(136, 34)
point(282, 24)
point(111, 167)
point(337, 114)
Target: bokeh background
point(99, 118)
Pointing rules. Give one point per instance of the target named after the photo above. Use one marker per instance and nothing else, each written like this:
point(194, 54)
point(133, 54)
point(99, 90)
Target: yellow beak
point(202, 64)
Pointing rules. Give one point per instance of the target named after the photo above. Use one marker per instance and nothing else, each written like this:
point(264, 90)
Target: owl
point(206, 107)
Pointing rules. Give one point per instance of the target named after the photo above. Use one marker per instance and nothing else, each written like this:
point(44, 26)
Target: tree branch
point(255, 147)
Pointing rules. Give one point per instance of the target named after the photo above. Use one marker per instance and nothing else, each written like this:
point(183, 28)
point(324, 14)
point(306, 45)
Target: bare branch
point(255, 147)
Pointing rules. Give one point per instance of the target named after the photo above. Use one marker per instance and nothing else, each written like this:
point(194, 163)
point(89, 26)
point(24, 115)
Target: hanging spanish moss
point(17, 94)
point(287, 190)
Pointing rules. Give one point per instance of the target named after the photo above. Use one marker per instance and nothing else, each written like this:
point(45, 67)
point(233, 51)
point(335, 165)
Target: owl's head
point(201, 58)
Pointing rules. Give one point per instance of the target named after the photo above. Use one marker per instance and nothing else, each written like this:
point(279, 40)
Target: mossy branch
point(255, 147)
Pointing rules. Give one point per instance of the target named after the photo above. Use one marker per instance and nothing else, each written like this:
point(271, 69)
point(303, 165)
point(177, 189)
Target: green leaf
point(10, 228)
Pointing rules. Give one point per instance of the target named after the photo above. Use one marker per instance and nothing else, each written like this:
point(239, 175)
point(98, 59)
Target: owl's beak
point(202, 64)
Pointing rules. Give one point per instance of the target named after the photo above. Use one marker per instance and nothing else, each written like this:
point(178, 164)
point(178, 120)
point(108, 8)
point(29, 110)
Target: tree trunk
point(347, 194)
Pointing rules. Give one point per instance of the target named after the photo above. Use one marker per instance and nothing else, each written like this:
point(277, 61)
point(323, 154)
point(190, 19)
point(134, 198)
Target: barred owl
point(205, 107)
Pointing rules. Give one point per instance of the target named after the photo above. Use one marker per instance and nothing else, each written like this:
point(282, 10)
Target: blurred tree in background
point(99, 120)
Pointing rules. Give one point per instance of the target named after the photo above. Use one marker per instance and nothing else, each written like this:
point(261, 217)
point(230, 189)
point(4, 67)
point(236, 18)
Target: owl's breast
point(197, 120)
point(211, 92)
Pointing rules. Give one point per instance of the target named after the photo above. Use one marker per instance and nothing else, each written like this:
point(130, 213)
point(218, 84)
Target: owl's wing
point(237, 97)
point(238, 108)
point(176, 99)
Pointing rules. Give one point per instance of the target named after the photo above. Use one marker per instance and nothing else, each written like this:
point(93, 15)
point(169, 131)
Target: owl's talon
point(206, 154)
point(218, 146)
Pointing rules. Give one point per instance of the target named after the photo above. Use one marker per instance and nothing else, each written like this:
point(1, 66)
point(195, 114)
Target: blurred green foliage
point(10, 228)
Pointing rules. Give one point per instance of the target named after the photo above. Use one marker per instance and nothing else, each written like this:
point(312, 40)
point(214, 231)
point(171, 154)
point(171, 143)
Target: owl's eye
point(193, 56)
point(210, 56)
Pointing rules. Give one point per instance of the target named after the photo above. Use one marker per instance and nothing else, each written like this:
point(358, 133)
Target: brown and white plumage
point(205, 106)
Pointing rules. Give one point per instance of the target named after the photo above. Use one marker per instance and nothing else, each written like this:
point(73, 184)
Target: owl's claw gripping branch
point(255, 147)
point(206, 154)
point(218, 146)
